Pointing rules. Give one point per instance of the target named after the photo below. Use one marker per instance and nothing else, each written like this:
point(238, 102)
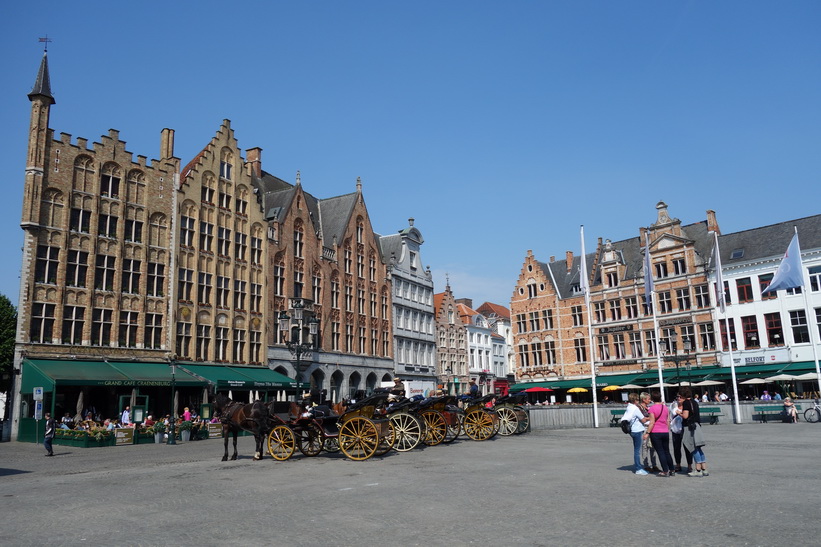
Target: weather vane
point(46, 41)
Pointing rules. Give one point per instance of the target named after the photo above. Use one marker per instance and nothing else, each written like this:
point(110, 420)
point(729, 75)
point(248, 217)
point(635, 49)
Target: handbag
point(625, 426)
point(675, 425)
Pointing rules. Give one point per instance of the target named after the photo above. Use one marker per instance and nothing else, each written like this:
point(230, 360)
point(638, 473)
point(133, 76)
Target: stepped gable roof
point(489, 309)
point(42, 85)
point(191, 164)
point(437, 302)
point(768, 242)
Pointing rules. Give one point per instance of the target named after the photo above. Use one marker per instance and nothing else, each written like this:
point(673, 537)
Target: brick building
point(451, 343)
point(550, 318)
point(131, 265)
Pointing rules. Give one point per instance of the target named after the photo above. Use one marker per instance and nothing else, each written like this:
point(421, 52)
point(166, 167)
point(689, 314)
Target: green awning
point(601, 381)
point(224, 377)
point(71, 372)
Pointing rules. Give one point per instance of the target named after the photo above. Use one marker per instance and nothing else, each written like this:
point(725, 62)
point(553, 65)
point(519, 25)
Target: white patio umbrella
point(754, 381)
point(708, 383)
point(205, 395)
point(79, 416)
point(665, 384)
point(780, 378)
point(133, 401)
point(631, 386)
point(807, 376)
point(176, 403)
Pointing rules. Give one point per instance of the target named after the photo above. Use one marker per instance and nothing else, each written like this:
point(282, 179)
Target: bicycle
point(813, 414)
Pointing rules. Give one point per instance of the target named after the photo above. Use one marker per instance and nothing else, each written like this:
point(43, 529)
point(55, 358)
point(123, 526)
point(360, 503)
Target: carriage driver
point(398, 389)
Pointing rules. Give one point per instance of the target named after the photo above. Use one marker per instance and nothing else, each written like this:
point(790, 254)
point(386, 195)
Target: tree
point(8, 330)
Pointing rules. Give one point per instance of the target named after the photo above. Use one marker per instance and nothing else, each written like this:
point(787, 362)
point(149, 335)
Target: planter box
point(142, 438)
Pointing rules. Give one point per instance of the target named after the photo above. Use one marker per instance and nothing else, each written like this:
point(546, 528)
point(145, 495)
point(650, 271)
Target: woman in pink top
point(658, 430)
point(186, 415)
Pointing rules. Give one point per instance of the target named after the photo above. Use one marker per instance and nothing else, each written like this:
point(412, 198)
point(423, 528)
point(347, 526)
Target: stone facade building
point(141, 279)
point(551, 321)
point(414, 337)
point(451, 343)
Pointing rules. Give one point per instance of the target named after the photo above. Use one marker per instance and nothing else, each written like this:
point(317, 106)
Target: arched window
point(135, 187)
point(83, 174)
point(110, 180)
point(51, 208)
point(226, 164)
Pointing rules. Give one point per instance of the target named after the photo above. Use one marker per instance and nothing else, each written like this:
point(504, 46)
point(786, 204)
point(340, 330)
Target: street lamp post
point(682, 358)
point(294, 341)
point(172, 426)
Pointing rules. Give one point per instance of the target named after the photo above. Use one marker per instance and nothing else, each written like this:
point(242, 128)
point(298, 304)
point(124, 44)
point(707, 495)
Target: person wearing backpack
point(636, 420)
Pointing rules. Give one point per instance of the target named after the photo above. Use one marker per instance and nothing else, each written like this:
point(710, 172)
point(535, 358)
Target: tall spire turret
point(42, 85)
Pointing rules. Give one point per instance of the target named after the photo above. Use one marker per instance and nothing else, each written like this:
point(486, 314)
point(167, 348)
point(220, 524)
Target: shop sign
point(124, 435)
point(214, 430)
point(620, 328)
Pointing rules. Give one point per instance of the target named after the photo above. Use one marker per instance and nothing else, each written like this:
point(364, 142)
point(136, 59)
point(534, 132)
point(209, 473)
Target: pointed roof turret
point(42, 86)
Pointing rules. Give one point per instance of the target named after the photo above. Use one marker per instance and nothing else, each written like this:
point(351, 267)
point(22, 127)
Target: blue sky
point(499, 126)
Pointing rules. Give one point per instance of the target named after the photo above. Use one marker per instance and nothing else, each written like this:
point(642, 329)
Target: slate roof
point(767, 242)
point(42, 85)
point(389, 244)
point(631, 252)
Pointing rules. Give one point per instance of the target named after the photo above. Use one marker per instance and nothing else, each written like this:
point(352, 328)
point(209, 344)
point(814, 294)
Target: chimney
point(466, 301)
point(712, 223)
point(569, 259)
point(254, 158)
point(166, 144)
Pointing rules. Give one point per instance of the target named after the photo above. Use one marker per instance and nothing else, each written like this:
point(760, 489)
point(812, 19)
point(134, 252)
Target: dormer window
point(613, 279)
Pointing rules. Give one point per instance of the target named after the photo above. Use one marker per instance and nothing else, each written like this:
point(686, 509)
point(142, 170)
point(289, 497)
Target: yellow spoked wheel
point(478, 425)
point(310, 440)
point(407, 431)
point(358, 438)
point(508, 421)
point(281, 442)
point(436, 429)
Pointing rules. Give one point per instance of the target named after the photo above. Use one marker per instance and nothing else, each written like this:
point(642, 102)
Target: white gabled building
point(414, 329)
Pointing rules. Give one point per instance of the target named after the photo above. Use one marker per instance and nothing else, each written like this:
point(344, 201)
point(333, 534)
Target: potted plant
point(185, 430)
point(159, 430)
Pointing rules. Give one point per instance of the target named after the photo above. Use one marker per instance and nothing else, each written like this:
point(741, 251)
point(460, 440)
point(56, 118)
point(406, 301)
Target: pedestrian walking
point(51, 425)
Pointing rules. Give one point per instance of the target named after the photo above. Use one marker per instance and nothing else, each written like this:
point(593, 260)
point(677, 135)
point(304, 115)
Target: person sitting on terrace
point(790, 411)
point(67, 422)
point(149, 421)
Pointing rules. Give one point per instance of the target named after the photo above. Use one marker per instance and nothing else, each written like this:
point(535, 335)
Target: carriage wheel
point(386, 442)
point(436, 429)
point(508, 422)
point(281, 442)
point(331, 445)
point(494, 416)
point(478, 425)
point(453, 430)
point(358, 438)
point(524, 420)
point(310, 440)
point(406, 431)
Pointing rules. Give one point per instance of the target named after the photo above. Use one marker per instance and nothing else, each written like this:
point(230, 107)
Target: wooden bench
point(712, 412)
point(615, 416)
point(772, 410)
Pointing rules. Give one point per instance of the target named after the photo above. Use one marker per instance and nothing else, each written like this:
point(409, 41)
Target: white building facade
point(414, 329)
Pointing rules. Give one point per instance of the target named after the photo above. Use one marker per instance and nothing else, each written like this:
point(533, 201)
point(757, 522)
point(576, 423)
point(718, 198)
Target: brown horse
point(236, 416)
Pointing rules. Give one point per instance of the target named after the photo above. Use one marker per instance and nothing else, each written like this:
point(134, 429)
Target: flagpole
point(584, 283)
point(650, 295)
point(720, 303)
point(808, 310)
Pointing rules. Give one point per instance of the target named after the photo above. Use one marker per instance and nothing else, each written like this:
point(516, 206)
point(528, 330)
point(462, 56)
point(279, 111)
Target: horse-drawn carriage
point(513, 418)
point(360, 431)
